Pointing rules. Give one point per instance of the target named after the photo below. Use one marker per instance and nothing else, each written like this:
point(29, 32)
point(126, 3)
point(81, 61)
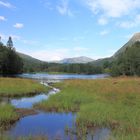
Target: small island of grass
point(16, 87)
point(8, 115)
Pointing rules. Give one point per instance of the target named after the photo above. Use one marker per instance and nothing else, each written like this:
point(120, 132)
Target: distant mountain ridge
point(81, 59)
point(28, 60)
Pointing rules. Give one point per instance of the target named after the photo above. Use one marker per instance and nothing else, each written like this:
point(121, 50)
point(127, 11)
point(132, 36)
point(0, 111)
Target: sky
point(56, 29)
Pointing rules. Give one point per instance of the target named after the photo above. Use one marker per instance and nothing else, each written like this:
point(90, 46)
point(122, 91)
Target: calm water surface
point(62, 76)
point(46, 124)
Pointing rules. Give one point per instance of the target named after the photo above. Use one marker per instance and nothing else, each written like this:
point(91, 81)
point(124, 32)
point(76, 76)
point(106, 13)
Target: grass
point(113, 103)
point(15, 87)
point(7, 115)
point(11, 87)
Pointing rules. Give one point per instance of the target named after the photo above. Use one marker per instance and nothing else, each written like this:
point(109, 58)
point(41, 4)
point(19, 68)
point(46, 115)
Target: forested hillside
point(128, 62)
point(31, 64)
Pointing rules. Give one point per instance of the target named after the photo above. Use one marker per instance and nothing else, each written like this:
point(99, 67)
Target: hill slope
point(29, 58)
point(30, 64)
point(135, 38)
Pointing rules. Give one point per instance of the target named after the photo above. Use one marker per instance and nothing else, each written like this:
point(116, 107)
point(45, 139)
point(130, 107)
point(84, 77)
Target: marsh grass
point(7, 115)
point(113, 103)
point(16, 87)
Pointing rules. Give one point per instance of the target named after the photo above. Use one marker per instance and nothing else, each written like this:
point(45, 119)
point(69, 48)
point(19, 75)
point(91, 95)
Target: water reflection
point(46, 124)
point(27, 102)
point(62, 76)
point(53, 126)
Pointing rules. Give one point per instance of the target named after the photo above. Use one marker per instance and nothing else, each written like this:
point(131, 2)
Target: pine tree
point(10, 43)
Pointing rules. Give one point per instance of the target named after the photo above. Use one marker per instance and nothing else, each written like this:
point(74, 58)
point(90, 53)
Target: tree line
point(72, 68)
point(10, 62)
point(128, 62)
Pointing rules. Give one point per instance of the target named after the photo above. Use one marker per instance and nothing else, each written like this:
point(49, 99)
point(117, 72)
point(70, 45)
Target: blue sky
point(56, 29)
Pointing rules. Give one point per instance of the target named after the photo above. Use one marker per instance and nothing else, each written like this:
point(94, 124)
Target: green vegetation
point(112, 103)
point(7, 115)
point(11, 87)
point(15, 87)
point(10, 62)
point(35, 65)
point(128, 62)
point(74, 68)
point(31, 64)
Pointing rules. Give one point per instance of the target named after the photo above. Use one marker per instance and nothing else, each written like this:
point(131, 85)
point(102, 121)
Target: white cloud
point(128, 36)
point(102, 21)
point(130, 24)
point(15, 37)
point(107, 9)
point(113, 8)
point(6, 4)
point(104, 32)
point(78, 38)
point(18, 25)
point(63, 8)
point(30, 42)
point(2, 18)
point(18, 38)
point(47, 4)
point(5, 37)
point(51, 55)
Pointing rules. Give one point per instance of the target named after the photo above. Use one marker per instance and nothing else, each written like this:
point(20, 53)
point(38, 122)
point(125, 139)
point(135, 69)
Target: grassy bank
point(15, 87)
point(10, 87)
point(113, 103)
point(7, 115)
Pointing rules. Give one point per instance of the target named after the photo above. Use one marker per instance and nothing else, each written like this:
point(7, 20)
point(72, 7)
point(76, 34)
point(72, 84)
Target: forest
point(10, 62)
point(128, 62)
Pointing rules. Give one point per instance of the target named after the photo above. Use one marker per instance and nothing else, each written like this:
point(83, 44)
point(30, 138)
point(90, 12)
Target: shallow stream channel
point(52, 125)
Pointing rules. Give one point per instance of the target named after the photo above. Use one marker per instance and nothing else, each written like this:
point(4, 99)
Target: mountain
point(100, 62)
point(30, 63)
point(81, 59)
point(135, 38)
point(29, 58)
